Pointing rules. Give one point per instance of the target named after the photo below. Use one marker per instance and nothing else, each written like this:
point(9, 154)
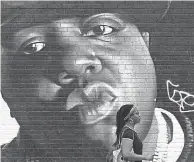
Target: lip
point(95, 102)
point(94, 114)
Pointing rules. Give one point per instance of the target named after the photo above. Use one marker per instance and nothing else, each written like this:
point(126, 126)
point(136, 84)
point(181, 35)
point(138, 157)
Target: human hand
point(109, 157)
point(149, 157)
point(116, 146)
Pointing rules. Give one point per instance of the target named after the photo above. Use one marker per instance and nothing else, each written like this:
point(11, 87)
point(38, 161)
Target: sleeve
point(128, 133)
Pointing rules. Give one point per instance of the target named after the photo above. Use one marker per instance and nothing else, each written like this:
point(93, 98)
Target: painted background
point(171, 48)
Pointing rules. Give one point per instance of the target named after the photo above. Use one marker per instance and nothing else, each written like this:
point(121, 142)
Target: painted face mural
point(67, 67)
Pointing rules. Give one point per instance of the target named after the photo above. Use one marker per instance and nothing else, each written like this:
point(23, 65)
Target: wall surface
point(68, 67)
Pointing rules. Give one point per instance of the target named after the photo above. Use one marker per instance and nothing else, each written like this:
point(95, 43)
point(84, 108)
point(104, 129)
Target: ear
point(126, 118)
point(131, 120)
point(146, 38)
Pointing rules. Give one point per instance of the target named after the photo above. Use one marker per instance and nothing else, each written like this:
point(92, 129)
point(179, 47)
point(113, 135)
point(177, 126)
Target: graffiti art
point(78, 76)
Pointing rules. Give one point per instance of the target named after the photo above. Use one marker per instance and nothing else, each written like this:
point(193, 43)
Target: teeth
point(168, 152)
point(89, 113)
point(95, 101)
point(94, 112)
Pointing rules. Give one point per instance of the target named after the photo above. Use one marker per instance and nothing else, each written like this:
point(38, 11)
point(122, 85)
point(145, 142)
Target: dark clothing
point(131, 134)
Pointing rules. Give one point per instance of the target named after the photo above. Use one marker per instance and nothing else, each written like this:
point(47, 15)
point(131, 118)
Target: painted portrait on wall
point(68, 66)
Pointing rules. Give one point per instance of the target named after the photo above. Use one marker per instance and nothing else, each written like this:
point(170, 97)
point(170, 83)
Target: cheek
point(144, 95)
point(140, 84)
point(47, 90)
point(137, 119)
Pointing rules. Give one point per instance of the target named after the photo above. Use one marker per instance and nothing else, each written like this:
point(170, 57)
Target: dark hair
point(121, 114)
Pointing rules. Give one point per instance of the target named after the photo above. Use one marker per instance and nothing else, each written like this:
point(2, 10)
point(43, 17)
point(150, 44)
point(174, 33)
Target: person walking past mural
point(69, 66)
point(128, 145)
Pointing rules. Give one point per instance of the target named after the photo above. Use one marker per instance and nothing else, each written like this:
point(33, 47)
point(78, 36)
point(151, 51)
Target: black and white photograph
point(97, 81)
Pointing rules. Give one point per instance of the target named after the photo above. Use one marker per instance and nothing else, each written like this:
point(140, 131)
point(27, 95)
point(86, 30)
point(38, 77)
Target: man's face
point(73, 74)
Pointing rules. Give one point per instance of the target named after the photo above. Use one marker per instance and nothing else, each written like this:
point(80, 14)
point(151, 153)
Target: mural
point(69, 66)
point(184, 98)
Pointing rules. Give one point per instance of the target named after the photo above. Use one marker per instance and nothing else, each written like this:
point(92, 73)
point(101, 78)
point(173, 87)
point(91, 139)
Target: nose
point(80, 58)
point(82, 68)
point(88, 66)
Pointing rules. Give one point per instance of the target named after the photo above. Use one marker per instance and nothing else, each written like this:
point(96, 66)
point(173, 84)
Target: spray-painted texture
point(68, 66)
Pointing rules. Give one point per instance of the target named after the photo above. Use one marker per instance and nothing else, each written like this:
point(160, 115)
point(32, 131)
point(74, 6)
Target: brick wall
point(173, 56)
point(171, 49)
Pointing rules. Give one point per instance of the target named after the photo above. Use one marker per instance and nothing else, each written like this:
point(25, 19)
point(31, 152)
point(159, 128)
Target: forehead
point(135, 110)
point(29, 13)
point(77, 7)
point(44, 12)
point(41, 12)
point(48, 11)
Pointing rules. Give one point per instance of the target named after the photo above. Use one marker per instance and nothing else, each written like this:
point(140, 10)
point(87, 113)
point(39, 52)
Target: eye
point(100, 30)
point(33, 48)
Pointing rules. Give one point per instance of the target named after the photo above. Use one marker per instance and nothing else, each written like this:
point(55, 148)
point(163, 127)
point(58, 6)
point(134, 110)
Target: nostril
point(64, 78)
point(90, 68)
point(62, 75)
point(88, 65)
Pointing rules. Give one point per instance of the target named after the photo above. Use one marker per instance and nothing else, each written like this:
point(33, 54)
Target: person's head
point(69, 66)
point(126, 114)
point(133, 117)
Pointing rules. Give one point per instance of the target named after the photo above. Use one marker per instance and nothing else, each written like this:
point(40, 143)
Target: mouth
point(95, 102)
